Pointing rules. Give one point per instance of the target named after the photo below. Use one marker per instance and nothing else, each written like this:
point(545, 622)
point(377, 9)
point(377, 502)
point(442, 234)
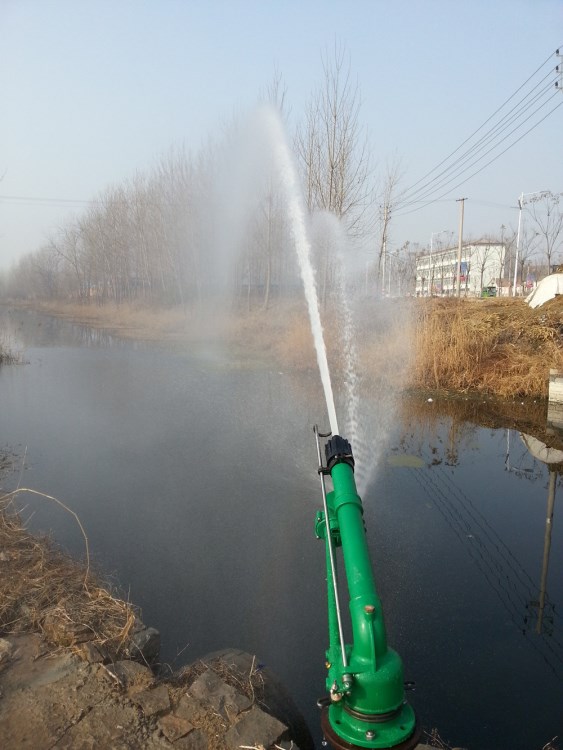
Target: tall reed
point(502, 347)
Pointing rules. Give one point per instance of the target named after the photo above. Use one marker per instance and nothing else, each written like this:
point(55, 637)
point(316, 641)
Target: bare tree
point(481, 259)
point(271, 212)
point(405, 268)
point(529, 247)
point(46, 263)
point(67, 244)
point(548, 223)
point(332, 148)
point(502, 254)
point(387, 203)
point(275, 94)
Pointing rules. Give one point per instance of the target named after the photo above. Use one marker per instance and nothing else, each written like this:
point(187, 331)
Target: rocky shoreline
point(79, 669)
point(76, 698)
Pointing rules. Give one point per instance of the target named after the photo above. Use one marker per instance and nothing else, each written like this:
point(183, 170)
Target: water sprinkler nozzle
point(337, 450)
point(367, 706)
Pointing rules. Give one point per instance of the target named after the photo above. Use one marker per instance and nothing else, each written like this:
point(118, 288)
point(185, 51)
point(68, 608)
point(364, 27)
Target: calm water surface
point(195, 479)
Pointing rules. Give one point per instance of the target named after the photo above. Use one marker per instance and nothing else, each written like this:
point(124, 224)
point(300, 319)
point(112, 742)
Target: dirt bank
point(65, 699)
point(78, 669)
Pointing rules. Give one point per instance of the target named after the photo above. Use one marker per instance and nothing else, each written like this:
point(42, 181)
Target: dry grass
point(501, 347)
point(294, 344)
point(43, 590)
point(494, 346)
point(250, 684)
point(129, 321)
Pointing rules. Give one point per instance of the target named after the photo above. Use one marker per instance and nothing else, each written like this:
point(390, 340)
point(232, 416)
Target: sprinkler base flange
point(338, 743)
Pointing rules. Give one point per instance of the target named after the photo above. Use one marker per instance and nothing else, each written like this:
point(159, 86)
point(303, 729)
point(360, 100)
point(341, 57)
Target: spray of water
point(285, 168)
point(368, 408)
point(327, 233)
point(368, 405)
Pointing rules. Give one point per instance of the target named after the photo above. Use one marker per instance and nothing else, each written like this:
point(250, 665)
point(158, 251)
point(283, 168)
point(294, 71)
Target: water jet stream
point(288, 175)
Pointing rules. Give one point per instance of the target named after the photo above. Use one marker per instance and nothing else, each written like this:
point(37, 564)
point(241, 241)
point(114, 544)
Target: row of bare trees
point(159, 236)
point(135, 241)
point(537, 251)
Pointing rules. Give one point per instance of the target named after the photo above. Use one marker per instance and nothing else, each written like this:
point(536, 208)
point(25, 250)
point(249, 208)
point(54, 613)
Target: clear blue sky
point(93, 90)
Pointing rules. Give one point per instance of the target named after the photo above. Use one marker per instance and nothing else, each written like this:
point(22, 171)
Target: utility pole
point(559, 71)
point(502, 259)
point(520, 204)
point(462, 202)
point(521, 200)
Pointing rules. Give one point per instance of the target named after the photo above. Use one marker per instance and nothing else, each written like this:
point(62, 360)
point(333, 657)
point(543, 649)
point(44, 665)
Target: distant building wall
point(482, 265)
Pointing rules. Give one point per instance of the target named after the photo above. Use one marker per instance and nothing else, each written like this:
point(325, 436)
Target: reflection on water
point(23, 328)
point(542, 608)
point(498, 520)
point(197, 487)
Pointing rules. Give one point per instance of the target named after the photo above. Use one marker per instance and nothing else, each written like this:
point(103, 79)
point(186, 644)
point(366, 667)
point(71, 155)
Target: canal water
point(195, 479)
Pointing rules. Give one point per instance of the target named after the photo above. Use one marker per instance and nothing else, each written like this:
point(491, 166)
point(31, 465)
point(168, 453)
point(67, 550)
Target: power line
point(429, 202)
point(457, 172)
point(483, 124)
point(471, 154)
point(33, 200)
point(514, 115)
point(484, 140)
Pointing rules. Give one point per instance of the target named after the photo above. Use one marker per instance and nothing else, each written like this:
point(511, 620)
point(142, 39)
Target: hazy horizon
point(96, 92)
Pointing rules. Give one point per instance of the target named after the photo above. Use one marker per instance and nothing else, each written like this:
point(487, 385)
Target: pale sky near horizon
point(94, 90)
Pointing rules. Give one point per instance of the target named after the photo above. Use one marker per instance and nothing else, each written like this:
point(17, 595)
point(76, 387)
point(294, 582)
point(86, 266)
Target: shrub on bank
point(501, 347)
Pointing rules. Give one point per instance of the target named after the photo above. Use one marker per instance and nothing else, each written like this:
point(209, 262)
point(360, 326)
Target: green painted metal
point(368, 707)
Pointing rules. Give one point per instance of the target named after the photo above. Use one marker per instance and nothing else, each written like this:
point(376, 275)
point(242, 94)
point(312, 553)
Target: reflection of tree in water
point(513, 585)
point(421, 425)
point(526, 600)
point(421, 421)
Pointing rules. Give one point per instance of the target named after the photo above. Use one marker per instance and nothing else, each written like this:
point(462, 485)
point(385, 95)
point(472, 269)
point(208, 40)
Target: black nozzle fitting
point(338, 450)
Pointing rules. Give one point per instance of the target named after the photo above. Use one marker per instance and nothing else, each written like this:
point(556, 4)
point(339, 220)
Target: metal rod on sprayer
point(330, 547)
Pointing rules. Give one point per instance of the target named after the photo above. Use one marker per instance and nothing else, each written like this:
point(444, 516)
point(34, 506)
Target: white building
point(482, 265)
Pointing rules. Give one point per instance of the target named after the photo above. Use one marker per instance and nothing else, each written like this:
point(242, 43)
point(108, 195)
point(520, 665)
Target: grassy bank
point(42, 590)
point(497, 347)
point(491, 346)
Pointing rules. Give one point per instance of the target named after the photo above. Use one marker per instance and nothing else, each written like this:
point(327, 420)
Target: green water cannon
point(366, 705)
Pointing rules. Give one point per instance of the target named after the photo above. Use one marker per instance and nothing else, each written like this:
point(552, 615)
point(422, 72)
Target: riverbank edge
point(495, 347)
point(67, 641)
point(170, 328)
point(61, 685)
